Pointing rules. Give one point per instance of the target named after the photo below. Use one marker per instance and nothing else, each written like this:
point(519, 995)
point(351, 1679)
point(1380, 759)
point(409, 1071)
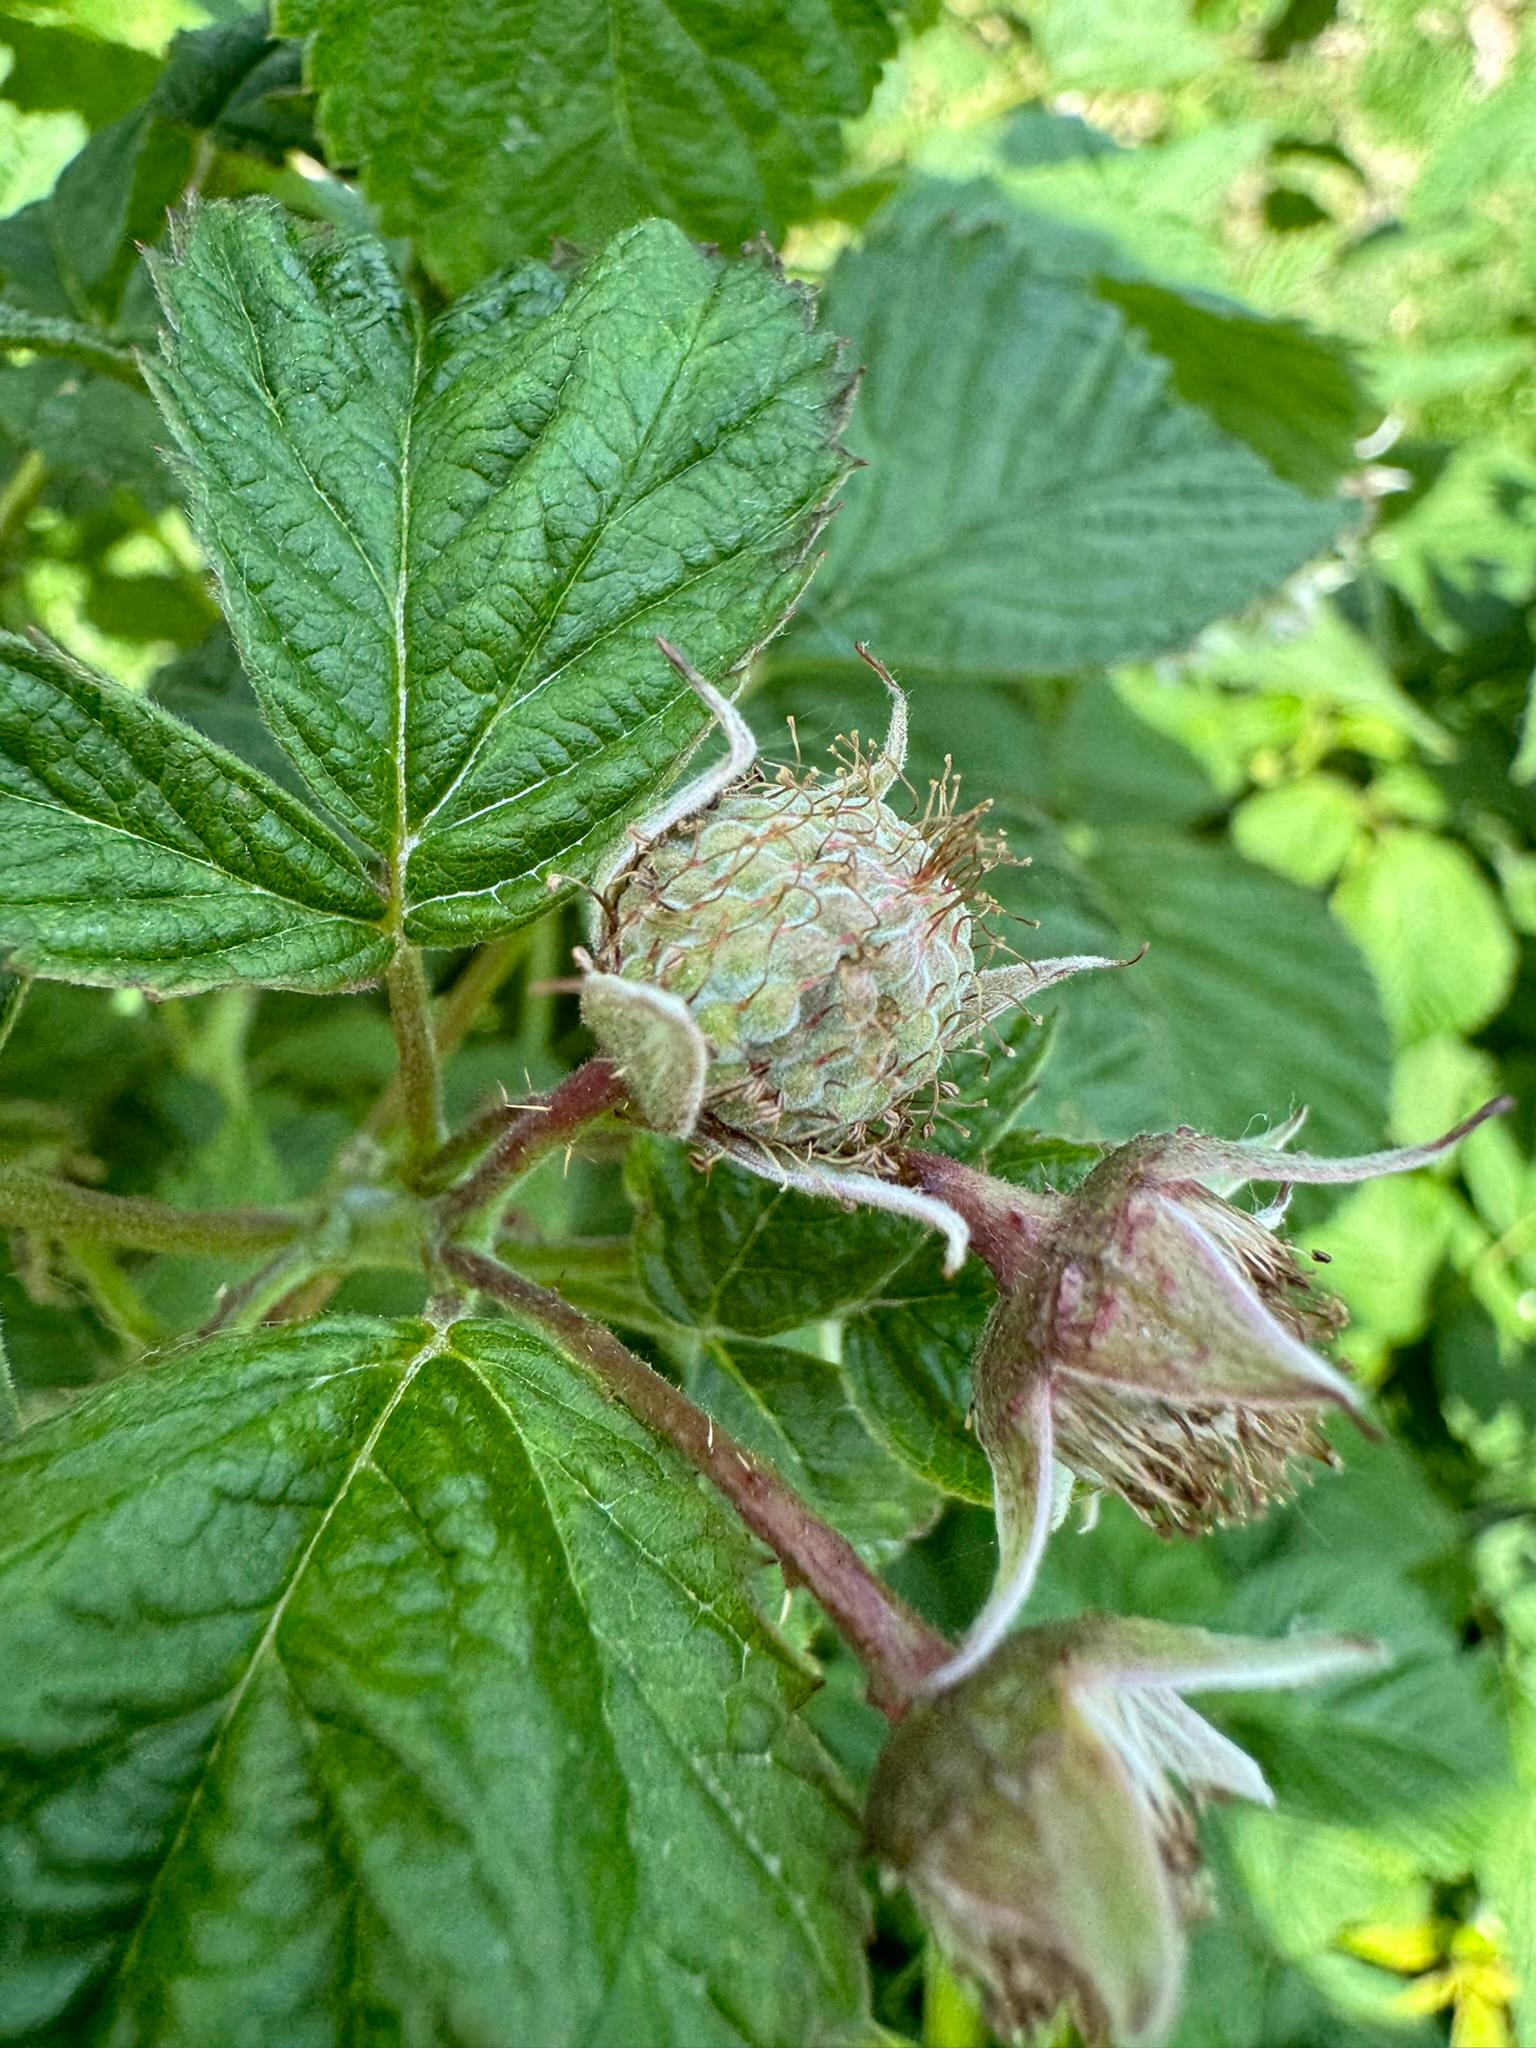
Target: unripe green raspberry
point(824, 947)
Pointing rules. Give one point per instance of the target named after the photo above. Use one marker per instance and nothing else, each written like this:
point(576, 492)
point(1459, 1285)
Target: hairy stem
point(113, 1296)
point(13, 994)
point(58, 1210)
point(454, 1014)
point(896, 1646)
point(410, 1012)
point(527, 1133)
point(1006, 1222)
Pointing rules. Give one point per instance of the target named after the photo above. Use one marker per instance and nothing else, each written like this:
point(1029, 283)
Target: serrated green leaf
point(579, 119)
point(436, 1702)
point(447, 555)
point(796, 1410)
point(907, 1358)
point(728, 1251)
point(1039, 500)
point(1251, 1000)
point(1287, 393)
point(133, 853)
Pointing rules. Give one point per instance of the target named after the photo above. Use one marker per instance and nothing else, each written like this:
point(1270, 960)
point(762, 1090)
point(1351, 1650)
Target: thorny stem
point(528, 1132)
point(897, 1647)
point(410, 1012)
point(57, 1209)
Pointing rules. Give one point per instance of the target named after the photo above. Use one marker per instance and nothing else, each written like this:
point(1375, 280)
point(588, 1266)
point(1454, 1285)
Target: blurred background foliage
point(1200, 520)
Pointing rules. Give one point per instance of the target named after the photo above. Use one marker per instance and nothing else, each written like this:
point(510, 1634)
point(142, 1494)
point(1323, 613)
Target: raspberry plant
point(537, 1490)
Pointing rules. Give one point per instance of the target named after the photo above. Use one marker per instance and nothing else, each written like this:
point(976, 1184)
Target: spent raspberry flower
point(1043, 1811)
point(1152, 1341)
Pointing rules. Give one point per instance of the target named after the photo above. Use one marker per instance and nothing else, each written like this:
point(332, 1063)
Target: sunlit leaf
point(578, 119)
point(447, 552)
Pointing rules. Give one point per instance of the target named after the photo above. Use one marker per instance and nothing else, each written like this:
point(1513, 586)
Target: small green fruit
point(824, 947)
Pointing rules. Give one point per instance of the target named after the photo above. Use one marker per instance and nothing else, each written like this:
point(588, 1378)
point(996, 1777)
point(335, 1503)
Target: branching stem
point(57, 1209)
point(410, 1012)
point(897, 1647)
point(528, 1132)
point(454, 1014)
point(1006, 1222)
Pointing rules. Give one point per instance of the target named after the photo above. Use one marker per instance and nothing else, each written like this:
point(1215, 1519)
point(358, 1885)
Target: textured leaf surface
point(908, 1360)
point(1039, 500)
point(363, 1670)
point(1251, 1000)
point(727, 1251)
point(446, 555)
point(518, 123)
point(1291, 394)
point(135, 853)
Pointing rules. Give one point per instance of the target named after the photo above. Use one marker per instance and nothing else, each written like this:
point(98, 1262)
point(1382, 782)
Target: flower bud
point(1042, 1812)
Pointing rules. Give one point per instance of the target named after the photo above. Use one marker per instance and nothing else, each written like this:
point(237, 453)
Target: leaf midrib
point(361, 1459)
point(612, 1654)
point(509, 699)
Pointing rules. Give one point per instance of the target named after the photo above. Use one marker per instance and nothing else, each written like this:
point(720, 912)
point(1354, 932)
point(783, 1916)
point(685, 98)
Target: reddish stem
point(896, 1646)
point(528, 1132)
point(1008, 1224)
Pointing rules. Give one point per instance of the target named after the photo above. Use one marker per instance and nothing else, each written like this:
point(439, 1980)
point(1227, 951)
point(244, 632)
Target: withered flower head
point(1155, 1342)
point(1043, 1812)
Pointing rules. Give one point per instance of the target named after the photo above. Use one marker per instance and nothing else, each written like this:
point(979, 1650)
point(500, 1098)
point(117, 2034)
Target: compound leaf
point(368, 1668)
point(135, 853)
point(447, 552)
